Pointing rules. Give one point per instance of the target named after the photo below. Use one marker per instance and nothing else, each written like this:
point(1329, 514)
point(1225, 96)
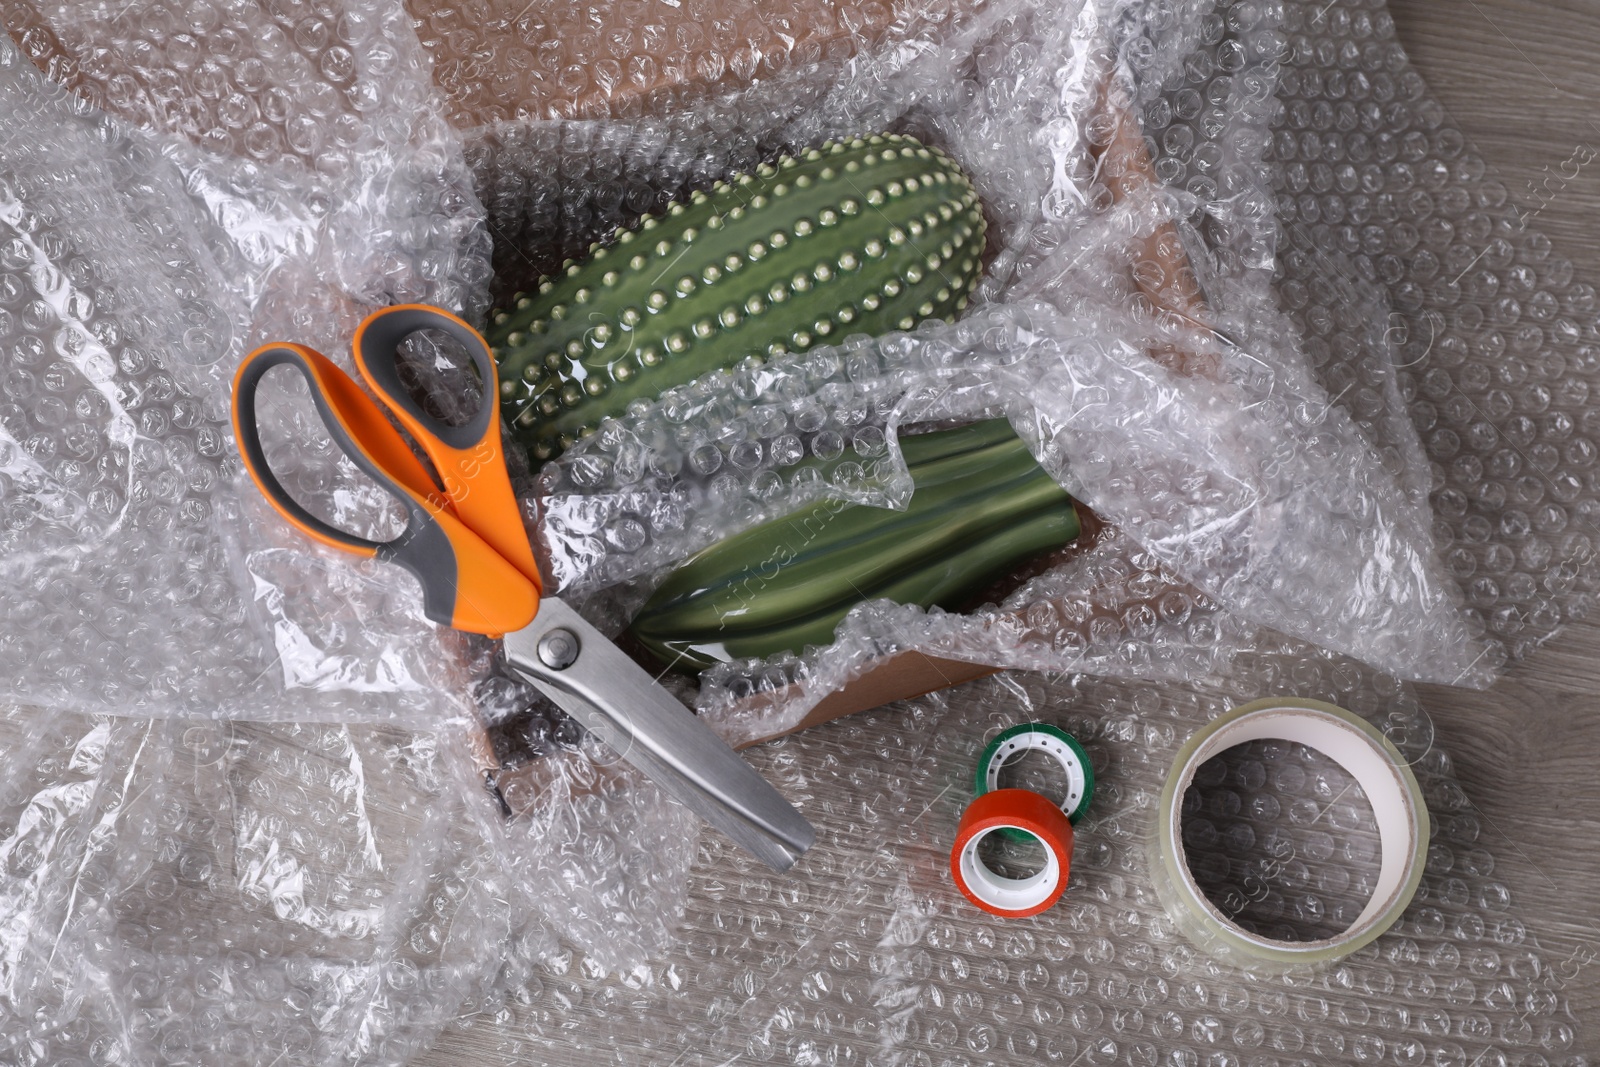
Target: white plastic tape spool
point(1370, 759)
point(1053, 742)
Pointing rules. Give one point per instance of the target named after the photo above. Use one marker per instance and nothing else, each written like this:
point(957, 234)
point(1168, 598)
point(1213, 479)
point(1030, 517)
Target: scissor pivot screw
point(558, 649)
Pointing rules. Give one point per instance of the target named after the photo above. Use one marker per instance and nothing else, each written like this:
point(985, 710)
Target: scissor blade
point(596, 683)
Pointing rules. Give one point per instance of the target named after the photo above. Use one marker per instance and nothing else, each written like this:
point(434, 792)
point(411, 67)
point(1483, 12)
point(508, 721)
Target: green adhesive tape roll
point(1370, 759)
point(1057, 744)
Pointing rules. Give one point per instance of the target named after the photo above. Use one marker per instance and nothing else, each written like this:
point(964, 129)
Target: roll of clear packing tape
point(1375, 764)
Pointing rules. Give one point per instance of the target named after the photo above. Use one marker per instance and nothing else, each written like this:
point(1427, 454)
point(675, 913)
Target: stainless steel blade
point(592, 680)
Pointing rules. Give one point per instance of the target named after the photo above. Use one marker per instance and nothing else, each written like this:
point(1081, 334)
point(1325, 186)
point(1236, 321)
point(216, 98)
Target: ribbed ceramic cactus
point(863, 236)
point(982, 507)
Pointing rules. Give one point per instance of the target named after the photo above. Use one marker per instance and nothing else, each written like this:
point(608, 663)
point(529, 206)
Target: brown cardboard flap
point(499, 60)
point(898, 677)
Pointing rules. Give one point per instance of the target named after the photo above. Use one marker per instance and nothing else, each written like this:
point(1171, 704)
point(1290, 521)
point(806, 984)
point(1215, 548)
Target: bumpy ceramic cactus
point(863, 236)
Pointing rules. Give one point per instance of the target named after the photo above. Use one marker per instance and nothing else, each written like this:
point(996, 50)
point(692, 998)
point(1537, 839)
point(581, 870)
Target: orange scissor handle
point(467, 457)
point(466, 583)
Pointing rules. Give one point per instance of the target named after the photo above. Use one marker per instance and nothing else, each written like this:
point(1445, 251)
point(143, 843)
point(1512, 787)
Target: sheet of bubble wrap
point(217, 893)
point(203, 893)
point(507, 60)
point(1493, 336)
point(209, 893)
point(1033, 114)
point(1290, 145)
point(283, 232)
point(255, 175)
point(870, 955)
point(1428, 306)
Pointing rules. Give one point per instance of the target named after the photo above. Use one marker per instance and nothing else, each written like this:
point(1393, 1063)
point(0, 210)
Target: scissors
point(465, 542)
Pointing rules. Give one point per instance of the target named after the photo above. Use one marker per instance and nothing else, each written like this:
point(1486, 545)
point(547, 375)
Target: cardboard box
point(499, 60)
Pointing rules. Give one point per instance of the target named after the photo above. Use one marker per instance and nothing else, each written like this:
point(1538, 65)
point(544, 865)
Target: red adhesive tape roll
point(1019, 809)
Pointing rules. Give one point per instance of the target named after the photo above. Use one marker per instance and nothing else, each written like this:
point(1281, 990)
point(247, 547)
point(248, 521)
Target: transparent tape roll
point(1377, 767)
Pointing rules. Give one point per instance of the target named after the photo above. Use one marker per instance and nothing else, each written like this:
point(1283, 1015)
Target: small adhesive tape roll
point(1374, 763)
point(1032, 814)
point(1058, 745)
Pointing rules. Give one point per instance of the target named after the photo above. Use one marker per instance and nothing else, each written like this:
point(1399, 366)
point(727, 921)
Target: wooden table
point(1520, 79)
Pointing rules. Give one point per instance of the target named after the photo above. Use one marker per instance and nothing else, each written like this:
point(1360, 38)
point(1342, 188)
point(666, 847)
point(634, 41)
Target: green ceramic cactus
point(981, 508)
point(862, 236)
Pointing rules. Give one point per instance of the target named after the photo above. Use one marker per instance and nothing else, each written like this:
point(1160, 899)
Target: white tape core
point(1054, 747)
point(1369, 758)
point(1009, 894)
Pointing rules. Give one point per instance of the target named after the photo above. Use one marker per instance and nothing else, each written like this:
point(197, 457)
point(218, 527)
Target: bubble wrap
point(1137, 172)
point(506, 59)
point(228, 893)
point(296, 186)
point(1286, 151)
point(212, 891)
point(1218, 511)
point(1491, 338)
point(208, 893)
point(872, 956)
